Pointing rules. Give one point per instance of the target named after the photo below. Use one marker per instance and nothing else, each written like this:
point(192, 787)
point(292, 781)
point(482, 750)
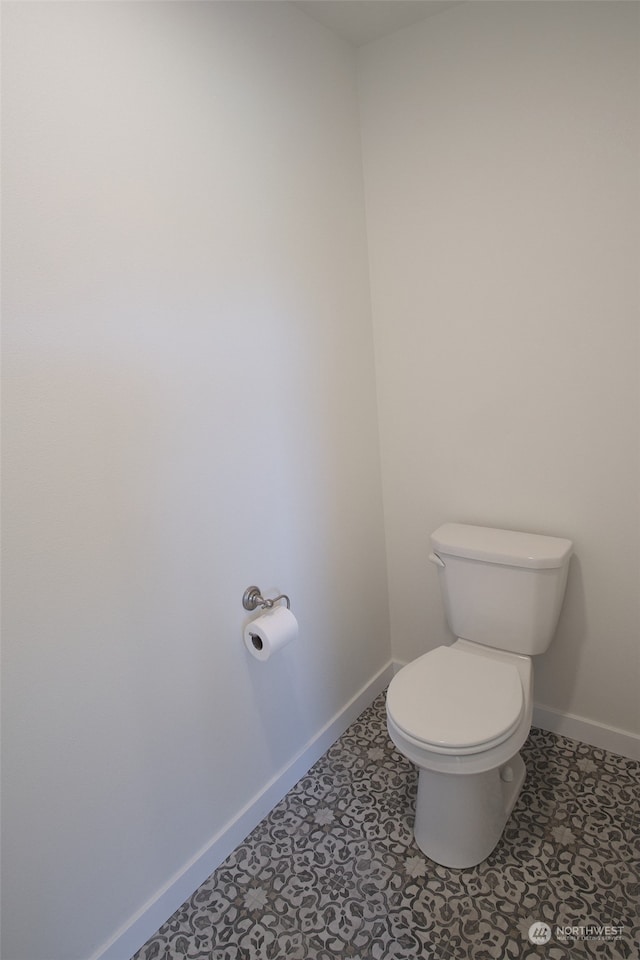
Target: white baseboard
point(130, 937)
point(587, 731)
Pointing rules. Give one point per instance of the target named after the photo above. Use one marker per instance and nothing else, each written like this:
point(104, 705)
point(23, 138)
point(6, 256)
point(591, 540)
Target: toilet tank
point(501, 588)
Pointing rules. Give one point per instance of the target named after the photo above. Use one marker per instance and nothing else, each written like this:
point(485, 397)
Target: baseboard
point(587, 731)
point(130, 937)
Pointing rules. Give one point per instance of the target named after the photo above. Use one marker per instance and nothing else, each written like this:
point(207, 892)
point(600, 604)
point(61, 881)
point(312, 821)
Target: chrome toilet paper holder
point(252, 598)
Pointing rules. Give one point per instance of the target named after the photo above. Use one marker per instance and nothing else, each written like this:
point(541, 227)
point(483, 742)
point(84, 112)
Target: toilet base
point(460, 817)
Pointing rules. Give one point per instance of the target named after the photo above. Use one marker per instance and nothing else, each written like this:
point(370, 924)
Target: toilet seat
point(456, 702)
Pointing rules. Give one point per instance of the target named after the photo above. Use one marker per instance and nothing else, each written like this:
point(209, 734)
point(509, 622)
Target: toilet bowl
point(462, 712)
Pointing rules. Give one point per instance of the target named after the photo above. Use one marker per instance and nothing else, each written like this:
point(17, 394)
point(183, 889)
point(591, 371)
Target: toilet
point(462, 712)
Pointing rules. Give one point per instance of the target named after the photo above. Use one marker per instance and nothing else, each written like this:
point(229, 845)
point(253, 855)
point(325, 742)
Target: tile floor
point(333, 871)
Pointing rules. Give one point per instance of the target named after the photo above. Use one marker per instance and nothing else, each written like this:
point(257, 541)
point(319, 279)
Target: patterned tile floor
point(333, 871)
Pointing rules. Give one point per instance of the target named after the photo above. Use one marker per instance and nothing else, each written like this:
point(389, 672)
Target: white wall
point(501, 172)
point(190, 397)
point(189, 409)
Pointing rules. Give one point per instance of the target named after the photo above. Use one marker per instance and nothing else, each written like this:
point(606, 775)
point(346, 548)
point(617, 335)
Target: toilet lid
point(456, 700)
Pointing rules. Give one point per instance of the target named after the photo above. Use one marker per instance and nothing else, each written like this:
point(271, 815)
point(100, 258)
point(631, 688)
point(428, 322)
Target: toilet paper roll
point(270, 632)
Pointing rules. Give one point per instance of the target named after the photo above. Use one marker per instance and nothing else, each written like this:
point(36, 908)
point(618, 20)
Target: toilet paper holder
point(252, 598)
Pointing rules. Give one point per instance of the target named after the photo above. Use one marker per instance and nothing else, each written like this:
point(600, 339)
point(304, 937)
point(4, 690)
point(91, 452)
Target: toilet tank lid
point(501, 546)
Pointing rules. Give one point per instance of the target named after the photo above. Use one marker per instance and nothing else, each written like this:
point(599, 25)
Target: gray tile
point(333, 871)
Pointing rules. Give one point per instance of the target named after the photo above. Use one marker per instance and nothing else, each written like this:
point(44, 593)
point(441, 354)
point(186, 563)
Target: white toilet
point(461, 713)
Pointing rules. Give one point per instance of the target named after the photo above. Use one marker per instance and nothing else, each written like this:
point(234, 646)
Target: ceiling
point(360, 21)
